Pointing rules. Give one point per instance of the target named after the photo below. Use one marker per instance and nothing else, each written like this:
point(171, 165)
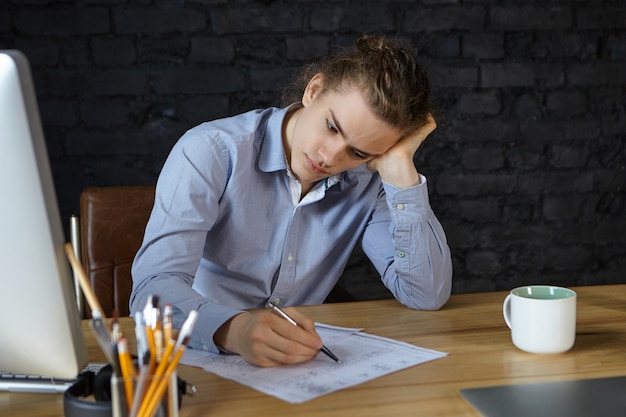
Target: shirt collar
point(272, 154)
point(271, 157)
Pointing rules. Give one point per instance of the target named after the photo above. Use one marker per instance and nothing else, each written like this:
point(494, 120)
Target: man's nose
point(331, 152)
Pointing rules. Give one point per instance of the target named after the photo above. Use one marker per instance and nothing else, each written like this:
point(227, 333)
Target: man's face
point(332, 133)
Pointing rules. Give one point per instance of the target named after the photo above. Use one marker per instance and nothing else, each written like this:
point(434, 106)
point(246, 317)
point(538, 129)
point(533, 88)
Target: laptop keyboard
point(39, 384)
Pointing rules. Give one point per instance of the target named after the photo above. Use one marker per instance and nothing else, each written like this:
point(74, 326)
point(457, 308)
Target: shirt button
point(401, 254)
point(290, 258)
point(400, 206)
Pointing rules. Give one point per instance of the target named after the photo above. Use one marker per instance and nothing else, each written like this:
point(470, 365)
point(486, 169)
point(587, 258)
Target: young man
point(267, 206)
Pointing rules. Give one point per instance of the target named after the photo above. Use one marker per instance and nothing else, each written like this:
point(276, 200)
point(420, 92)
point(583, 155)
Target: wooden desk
point(470, 327)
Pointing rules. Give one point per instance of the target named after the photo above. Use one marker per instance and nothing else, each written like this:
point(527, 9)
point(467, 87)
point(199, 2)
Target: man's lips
point(315, 167)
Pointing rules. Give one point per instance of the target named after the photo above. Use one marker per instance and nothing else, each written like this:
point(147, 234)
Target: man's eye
point(330, 126)
point(359, 154)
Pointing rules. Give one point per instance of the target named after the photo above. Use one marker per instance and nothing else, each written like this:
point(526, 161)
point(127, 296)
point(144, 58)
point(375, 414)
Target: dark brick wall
point(527, 169)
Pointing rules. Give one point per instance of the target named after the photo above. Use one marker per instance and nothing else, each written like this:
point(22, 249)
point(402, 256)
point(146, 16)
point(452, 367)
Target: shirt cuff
point(210, 319)
point(411, 202)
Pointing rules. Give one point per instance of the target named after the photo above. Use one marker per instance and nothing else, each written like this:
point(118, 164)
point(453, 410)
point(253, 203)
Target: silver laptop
point(598, 397)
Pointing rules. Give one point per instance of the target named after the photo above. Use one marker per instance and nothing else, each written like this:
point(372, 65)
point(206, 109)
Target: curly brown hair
point(395, 85)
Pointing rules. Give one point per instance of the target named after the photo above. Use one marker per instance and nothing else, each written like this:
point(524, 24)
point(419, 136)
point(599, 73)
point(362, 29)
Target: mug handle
point(506, 310)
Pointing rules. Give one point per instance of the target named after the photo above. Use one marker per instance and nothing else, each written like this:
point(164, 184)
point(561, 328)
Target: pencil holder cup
point(150, 396)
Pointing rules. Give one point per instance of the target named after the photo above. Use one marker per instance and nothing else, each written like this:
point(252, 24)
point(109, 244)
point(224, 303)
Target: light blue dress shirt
point(226, 232)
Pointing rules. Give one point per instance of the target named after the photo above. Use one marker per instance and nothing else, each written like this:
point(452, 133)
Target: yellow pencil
point(167, 322)
point(149, 405)
point(158, 344)
point(166, 367)
point(127, 368)
point(151, 346)
point(83, 280)
point(158, 373)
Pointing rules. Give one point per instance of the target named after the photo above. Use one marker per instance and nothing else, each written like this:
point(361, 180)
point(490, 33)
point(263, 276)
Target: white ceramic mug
point(542, 318)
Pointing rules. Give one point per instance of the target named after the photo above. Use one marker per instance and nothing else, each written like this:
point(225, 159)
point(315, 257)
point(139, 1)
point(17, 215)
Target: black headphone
point(89, 383)
point(99, 385)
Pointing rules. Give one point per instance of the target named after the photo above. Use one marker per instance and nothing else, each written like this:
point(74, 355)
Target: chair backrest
point(112, 225)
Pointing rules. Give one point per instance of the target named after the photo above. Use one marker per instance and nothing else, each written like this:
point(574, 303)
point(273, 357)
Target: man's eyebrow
point(337, 124)
point(341, 131)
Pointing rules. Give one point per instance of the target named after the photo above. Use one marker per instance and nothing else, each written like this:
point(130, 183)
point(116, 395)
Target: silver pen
point(284, 315)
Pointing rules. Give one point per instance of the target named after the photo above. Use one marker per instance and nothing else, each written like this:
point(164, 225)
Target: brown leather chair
point(112, 224)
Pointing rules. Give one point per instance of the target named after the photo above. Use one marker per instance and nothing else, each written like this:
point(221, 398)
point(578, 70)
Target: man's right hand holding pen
point(266, 339)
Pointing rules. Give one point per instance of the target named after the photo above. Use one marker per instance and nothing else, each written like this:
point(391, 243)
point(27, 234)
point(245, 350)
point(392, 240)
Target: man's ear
point(313, 89)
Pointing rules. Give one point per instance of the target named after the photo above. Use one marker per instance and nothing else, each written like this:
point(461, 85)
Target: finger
point(292, 354)
point(274, 340)
point(269, 356)
point(261, 345)
point(302, 320)
point(280, 351)
point(307, 338)
point(428, 128)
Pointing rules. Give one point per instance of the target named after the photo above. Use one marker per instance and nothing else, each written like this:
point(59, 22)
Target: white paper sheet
point(363, 357)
